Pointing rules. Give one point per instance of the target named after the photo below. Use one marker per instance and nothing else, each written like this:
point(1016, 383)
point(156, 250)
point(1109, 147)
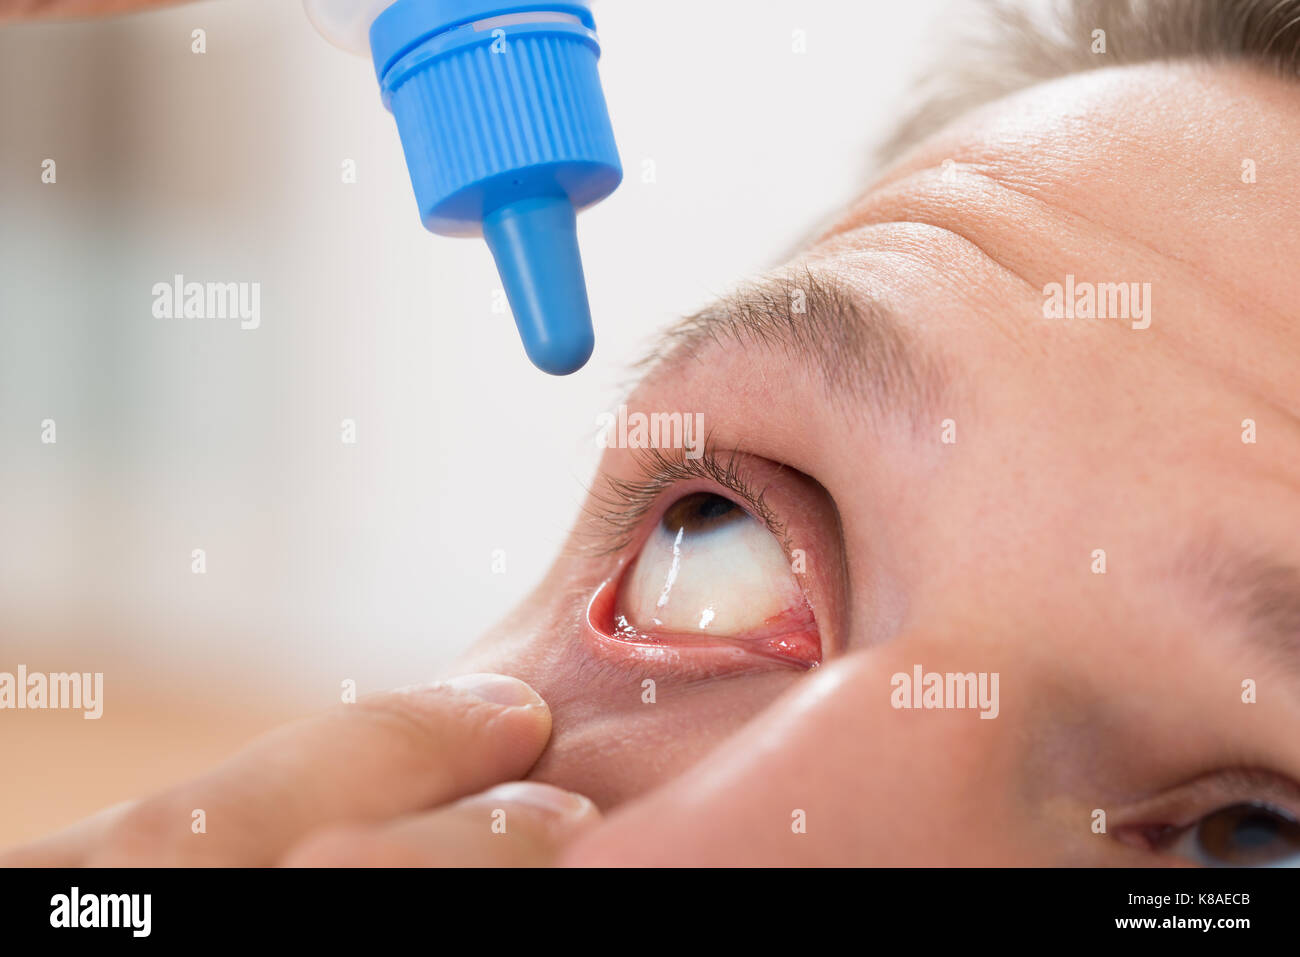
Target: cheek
point(617, 754)
point(607, 742)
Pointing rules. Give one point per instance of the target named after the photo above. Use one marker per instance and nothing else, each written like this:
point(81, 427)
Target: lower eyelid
point(684, 653)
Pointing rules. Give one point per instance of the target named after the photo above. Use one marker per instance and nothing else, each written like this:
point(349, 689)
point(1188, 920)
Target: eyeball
point(1242, 835)
point(708, 568)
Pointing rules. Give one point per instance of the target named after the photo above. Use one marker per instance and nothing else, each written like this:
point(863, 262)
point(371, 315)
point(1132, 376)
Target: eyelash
point(618, 510)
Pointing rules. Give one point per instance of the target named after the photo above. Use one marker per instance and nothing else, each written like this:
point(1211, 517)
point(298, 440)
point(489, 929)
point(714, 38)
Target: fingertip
point(558, 813)
point(546, 798)
point(504, 690)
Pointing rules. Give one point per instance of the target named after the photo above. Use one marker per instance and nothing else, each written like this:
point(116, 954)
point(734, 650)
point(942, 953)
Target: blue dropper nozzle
point(535, 244)
point(506, 135)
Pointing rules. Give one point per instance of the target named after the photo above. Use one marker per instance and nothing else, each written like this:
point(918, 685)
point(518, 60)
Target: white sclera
point(345, 23)
point(726, 580)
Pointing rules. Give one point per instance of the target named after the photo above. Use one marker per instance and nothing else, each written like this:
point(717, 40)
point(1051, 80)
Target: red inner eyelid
point(791, 620)
point(790, 638)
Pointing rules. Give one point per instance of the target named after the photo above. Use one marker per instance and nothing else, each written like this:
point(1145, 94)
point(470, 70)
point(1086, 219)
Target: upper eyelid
point(1182, 805)
point(620, 506)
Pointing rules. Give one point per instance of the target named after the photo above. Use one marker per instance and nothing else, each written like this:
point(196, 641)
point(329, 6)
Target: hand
point(392, 780)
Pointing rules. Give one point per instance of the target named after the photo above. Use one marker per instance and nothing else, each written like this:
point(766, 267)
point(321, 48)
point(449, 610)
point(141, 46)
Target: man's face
point(951, 480)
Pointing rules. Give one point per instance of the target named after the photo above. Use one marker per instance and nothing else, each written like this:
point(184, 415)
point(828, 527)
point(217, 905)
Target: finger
point(67, 847)
point(521, 824)
point(383, 756)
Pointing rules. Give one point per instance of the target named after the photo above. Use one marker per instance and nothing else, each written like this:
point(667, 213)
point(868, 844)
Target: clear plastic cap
point(345, 23)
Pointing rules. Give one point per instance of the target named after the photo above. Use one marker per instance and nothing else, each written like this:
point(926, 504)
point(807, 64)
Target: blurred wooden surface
point(59, 767)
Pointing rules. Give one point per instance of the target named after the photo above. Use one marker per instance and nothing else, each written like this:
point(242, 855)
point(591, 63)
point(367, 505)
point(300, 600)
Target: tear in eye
point(710, 568)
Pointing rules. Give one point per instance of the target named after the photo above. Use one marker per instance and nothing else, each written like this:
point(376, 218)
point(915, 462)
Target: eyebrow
point(863, 352)
point(1257, 589)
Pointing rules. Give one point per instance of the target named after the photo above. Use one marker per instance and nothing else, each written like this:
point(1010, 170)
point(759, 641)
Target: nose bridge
point(933, 744)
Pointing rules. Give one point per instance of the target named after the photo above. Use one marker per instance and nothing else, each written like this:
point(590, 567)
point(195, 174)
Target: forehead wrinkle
point(863, 354)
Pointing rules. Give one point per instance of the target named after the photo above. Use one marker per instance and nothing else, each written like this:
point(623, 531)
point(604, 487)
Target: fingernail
point(498, 689)
point(544, 797)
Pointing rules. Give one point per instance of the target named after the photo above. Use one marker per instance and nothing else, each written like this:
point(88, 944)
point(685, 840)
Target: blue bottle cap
point(506, 135)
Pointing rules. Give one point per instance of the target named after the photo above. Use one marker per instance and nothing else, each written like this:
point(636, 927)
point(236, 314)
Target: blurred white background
point(327, 561)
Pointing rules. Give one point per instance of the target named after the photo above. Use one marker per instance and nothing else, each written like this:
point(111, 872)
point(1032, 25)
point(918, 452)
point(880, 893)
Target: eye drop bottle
point(506, 135)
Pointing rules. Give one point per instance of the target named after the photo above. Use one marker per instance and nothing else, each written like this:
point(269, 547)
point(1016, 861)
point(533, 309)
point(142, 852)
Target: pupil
point(1255, 831)
point(714, 506)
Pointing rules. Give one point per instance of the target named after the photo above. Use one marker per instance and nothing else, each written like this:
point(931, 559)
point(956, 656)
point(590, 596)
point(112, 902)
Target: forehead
point(1179, 179)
